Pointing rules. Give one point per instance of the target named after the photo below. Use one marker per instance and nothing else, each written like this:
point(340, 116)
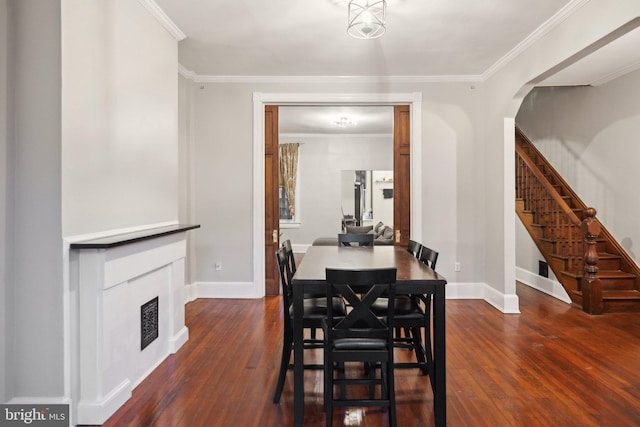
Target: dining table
point(413, 278)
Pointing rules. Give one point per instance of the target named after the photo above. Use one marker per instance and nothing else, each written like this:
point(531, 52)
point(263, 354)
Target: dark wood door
point(401, 174)
point(271, 201)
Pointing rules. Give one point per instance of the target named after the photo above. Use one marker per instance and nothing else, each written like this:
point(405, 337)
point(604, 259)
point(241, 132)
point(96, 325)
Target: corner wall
point(36, 352)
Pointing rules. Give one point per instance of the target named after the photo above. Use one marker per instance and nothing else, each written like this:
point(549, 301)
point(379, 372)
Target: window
point(288, 186)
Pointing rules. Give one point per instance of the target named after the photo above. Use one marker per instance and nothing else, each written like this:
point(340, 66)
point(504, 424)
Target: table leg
point(439, 362)
point(298, 357)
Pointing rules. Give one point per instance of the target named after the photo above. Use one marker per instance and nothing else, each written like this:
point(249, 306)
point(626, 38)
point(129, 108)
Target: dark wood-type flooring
point(551, 365)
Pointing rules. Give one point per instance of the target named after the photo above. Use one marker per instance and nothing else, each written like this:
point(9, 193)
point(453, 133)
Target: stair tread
point(601, 256)
point(616, 294)
point(604, 274)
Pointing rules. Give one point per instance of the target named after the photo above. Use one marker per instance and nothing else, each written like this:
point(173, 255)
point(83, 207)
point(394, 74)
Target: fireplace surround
point(130, 296)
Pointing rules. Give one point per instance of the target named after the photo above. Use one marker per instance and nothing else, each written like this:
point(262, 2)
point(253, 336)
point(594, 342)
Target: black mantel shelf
point(128, 238)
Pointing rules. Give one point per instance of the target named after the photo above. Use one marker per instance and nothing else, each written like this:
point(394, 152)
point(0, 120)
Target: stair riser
point(621, 306)
point(618, 284)
point(609, 264)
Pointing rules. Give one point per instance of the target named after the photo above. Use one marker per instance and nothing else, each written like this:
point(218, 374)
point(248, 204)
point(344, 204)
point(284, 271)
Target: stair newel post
point(591, 286)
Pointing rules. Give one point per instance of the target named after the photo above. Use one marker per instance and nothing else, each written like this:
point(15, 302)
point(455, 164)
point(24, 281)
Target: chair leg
point(418, 348)
point(287, 346)
point(372, 385)
point(391, 394)
point(328, 389)
point(407, 334)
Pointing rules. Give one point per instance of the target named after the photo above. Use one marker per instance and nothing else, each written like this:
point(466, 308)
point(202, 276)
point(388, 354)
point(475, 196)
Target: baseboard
point(464, 290)
point(503, 302)
point(246, 290)
point(506, 303)
point(225, 290)
point(542, 284)
point(55, 400)
point(98, 412)
point(178, 340)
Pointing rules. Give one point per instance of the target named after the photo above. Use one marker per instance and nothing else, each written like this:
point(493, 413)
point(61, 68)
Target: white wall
point(589, 135)
point(321, 159)
point(223, 177)
point(382, 208)
point(5, 225)
point(120, 118)
point(36, 353)
point(185, 172)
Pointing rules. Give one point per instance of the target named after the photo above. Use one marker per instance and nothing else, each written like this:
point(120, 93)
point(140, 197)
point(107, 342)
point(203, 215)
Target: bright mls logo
point(34, 415)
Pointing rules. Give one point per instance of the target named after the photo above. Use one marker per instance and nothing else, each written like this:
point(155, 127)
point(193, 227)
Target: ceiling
point(445, 39)
point(309, 38)
point(321, 119)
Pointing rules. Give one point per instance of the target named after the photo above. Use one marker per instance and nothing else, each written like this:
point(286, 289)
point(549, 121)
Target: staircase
point(597, 273)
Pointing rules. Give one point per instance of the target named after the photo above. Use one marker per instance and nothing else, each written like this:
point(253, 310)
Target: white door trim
point(414, 99)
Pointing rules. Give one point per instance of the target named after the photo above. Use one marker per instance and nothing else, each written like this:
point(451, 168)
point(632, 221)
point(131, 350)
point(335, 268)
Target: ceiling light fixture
point(367, 18)
point(344, 122)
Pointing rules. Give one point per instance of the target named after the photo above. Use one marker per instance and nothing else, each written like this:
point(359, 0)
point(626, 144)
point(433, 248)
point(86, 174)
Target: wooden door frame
point(260, 100)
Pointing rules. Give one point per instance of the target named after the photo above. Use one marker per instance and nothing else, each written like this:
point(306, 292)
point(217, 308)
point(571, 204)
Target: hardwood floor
point(551, 365)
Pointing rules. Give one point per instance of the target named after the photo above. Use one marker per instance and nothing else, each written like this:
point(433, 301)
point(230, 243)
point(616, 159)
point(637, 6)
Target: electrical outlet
point(457, 266)
point(218, 266)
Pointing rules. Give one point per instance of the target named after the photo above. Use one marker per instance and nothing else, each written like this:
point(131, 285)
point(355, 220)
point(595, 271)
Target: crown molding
point(564, 13)
point(184, 72)
point(163, 19)
point(618, 73)
point(187, 74)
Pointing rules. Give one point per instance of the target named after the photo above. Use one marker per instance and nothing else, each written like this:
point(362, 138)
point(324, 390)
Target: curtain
point(288, 155)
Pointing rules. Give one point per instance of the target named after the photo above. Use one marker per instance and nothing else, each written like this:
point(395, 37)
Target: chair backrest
point(355, 239)
point(292, 261)
point(361, 289)
point(429, 257)
point(414, 248)
point(285, 274)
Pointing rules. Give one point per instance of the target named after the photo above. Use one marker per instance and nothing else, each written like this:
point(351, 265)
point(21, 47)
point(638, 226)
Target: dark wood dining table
point(413, 277)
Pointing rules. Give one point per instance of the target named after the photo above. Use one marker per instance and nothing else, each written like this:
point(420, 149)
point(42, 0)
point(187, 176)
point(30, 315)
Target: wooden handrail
point(552, 192)
point(565, 186)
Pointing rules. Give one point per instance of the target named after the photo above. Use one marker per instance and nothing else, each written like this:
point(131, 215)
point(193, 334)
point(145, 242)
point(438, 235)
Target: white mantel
point(114, 277)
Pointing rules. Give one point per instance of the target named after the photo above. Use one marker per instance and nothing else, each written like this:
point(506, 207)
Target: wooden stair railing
point(598, 275)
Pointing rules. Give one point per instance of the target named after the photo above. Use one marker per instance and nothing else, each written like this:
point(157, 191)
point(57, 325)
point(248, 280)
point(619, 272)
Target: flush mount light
point(367, 18)
point(344, 122)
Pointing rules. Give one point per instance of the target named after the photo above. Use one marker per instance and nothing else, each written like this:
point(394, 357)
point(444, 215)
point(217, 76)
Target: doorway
point(413, 132)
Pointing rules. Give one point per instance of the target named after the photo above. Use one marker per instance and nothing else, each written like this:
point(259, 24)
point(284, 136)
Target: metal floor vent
point(543, 269)
point(148, 322)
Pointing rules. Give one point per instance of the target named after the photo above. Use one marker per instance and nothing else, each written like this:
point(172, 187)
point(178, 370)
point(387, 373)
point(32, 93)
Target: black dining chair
point(429, 257)
point(417, 319)
point(413, 317)
point(315, 310)
point(355, 239)
point(360, 336)
point(414, 248)
point(290, 257)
